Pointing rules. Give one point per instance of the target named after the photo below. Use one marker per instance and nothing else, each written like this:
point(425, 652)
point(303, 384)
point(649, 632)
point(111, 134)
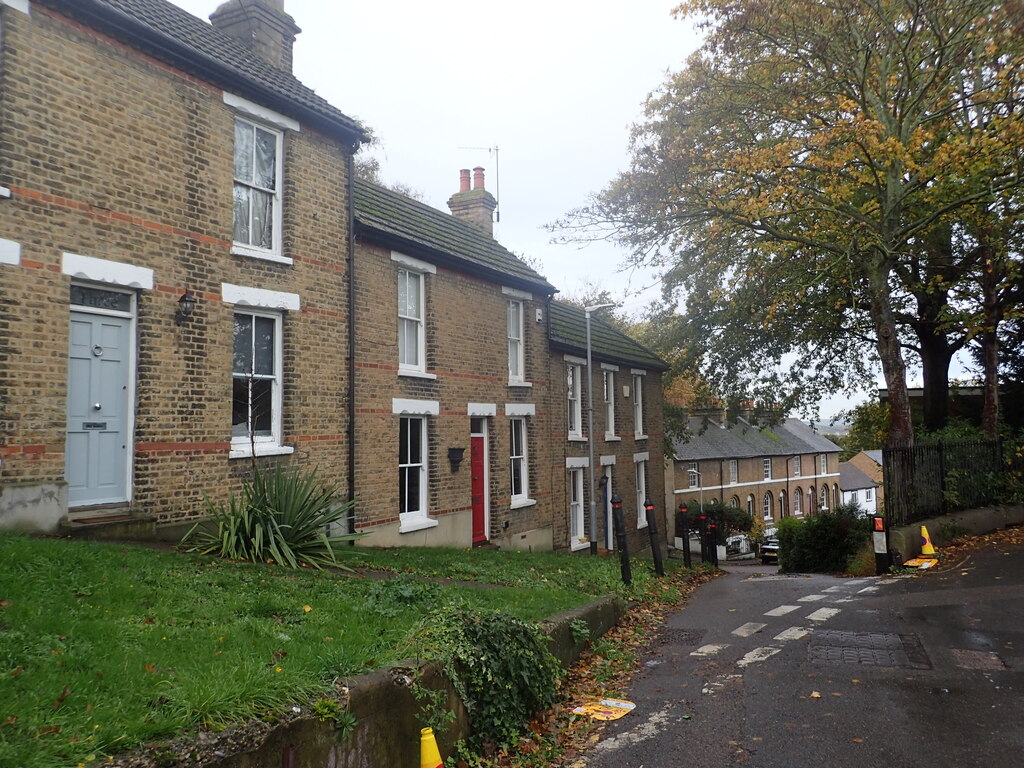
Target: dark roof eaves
point(602, 356)
point(447, 259)
point(204, 65)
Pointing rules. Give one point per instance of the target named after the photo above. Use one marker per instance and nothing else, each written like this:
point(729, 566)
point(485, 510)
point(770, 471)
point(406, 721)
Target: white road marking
point(709, 650)
point(782, 610)
point(748, 629)
point(654, 725)
point(758, 654)
point(855, 582)
point(793, 633)
point(867, 589)
point(834, 589)
point(712, 686)
point(822, 614)
point(810, 598)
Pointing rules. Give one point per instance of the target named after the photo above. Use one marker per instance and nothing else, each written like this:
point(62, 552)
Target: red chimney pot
point(464, 180)
point(478, 177)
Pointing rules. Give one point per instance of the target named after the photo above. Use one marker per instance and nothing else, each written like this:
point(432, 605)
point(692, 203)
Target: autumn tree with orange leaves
point(794, 173)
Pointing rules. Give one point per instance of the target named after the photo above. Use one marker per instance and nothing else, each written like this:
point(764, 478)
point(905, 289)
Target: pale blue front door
point(96, 452)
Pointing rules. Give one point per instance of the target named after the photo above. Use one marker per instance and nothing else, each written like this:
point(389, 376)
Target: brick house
point(172, 276)
point(628, 429)
point(773, 471)
point(870, 463)
point(857, 488)
point(182, 246)
point(453, 404)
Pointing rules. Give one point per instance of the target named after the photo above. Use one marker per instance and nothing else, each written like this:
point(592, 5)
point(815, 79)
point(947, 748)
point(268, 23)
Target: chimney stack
point(262, 26)
point(475, 206)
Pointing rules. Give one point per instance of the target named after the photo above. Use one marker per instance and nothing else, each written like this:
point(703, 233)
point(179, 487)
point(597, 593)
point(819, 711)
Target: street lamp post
point(590, 429)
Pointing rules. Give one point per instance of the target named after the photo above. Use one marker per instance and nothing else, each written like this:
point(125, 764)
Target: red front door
point(478, 467)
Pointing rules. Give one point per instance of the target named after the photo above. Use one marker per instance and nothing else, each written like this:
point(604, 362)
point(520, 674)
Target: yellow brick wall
point(466, 349)
point(114, 155)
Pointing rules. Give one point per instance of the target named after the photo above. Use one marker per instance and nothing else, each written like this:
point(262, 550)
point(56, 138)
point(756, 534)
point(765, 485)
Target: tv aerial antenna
point(497, 177)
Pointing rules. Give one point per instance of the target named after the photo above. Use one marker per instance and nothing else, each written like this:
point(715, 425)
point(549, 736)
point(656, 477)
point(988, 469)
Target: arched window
point(798, 495)
point(824, 497)
point(836, 497)
point(812, 500)
point(734, 502)
point(766, 506)
point(783, 508)
point(750, 504)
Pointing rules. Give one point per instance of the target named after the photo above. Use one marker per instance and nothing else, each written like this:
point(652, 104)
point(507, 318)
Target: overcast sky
point(555, 85)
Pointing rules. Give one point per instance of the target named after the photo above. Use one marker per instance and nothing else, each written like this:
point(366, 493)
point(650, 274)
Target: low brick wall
point(907, 538)
point(387, 731)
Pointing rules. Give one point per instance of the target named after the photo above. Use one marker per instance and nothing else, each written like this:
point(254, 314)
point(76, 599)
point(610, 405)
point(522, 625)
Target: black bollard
point(652, 530)
point(620, 540)
point(684, 517)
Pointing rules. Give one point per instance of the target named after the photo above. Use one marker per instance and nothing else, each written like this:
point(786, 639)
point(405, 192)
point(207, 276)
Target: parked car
point(770, 551)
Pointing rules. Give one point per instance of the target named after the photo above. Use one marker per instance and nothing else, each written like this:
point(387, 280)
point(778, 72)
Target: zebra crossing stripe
point(823, 614)
point(782, 610)
point(748, 629)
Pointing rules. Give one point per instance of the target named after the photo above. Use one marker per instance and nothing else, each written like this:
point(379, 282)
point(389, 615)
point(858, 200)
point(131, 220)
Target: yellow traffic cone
point(430, 757)
point(927, 550)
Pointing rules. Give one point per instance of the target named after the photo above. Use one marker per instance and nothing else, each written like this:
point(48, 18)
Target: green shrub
point(280, 516)
point(823, 543)
point(729, 519)
point(500, 666)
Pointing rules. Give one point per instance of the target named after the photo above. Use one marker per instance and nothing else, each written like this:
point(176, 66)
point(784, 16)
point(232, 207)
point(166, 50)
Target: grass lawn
point(105, 647)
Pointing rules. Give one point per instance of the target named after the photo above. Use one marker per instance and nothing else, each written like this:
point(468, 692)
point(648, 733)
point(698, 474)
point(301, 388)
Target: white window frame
point(854, 497)
point(275, 252)
point(519, 458)
point(692, 475)
point(640, 472)
point(798, 502)
point(416, 519)
point(824, 464)
point(767, 467)
point(574, 400)
point(869, 494)
point(796, 466)
point(420, 367)
point(734, 471)
point(638, 406)
point(243, 446)
point(516, 345)
point(577, 526)
point(766, 506)
point(608, 384)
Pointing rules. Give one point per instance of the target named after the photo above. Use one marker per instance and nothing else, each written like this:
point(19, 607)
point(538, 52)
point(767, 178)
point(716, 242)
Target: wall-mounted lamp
point(186, 306)
point(455, 456)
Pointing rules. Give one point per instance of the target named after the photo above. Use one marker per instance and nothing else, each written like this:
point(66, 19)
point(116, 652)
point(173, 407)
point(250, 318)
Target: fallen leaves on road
point(953, 555)
point(815, 695)
point(557, 737)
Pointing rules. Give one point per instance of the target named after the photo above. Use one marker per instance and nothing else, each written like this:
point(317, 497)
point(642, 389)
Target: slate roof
point(852, 479)
point(743, 440)
point(194, 45)
point(417, 228)
point(875, 456)
point(567, 330)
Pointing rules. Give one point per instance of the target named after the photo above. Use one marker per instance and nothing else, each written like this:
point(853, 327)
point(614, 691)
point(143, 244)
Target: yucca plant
point(280, 516)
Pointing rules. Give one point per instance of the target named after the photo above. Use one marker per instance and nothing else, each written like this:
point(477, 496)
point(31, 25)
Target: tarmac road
point(776, 671)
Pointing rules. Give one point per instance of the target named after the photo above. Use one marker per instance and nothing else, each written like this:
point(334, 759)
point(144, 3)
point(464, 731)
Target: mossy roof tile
point(434, 235)
point(567, 329)
point(175, 35)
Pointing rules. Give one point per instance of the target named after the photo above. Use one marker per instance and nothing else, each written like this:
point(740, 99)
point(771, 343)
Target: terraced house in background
point(192, 280)
point(769, 470)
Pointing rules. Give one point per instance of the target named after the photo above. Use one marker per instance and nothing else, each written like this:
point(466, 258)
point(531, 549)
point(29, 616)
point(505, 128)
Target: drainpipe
point(351, 428)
